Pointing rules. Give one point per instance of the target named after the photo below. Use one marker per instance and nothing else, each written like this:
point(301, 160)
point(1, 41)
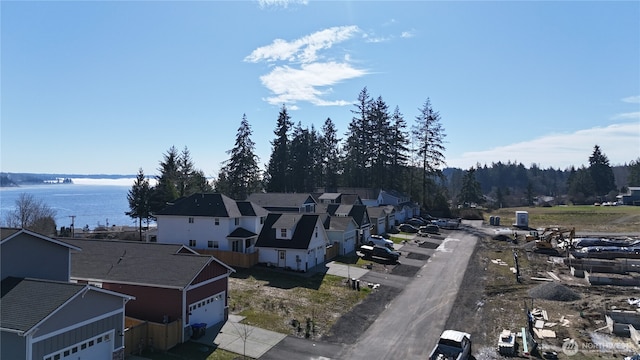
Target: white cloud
point(281, 3)
point(629, 115)
point(291, 85)
point(619, 142)
point(632, 99)
point(305, 49)
point(407, 34)
point(303, 77)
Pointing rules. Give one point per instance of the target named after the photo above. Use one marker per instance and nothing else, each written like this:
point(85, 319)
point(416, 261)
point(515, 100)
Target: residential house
point(169, 281)
point(632, 197)
point(342, 231)
point(285, 202)
point(404, 208)
point(382, 218)
point(359, 214)
point(211, 222)
point(293, 241)
point(43, 315)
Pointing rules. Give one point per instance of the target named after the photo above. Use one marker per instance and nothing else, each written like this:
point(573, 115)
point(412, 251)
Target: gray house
point(43, 315)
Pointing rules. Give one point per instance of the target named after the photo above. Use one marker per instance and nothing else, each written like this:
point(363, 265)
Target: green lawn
point(585, 218)
point(191, 351)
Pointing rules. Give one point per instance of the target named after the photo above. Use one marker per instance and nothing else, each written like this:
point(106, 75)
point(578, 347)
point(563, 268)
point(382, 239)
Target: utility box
point(522, 219)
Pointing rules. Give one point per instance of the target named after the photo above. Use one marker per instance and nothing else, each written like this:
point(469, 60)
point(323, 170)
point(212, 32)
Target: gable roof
point(338, 223)
point(281, 200)
point(28, 302)
point(304, 227)
point(357, 212)
point(212, 205)
point(133, 262)
point(7, 234)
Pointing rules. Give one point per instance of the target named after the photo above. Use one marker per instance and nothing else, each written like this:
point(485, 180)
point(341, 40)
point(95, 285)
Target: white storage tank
point(522, 219)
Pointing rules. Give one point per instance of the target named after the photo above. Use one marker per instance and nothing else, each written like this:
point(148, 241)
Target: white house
point(293, 241)
point(211, 221)
point(342, 231)
point(359, 214)
point(404, 208)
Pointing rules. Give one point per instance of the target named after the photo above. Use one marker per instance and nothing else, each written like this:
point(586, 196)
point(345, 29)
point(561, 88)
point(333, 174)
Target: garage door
point(99, 347)
point(209, 310)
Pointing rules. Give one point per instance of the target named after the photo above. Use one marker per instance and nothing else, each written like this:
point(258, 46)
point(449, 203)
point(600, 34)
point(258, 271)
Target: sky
point(108, 87)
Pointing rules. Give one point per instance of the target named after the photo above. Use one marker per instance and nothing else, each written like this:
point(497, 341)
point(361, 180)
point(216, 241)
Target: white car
point(380, 241)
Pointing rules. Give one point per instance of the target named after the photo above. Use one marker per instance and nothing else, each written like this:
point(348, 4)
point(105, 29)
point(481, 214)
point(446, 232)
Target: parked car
point(416, 222)
point(408, 228)
point(380, 241)
point(429, 229)
point(379, 252)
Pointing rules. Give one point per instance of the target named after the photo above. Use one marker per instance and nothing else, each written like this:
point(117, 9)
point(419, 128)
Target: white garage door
point(99, 347)
point(209, 310)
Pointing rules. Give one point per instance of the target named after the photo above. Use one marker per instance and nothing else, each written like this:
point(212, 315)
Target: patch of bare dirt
point(491, 299)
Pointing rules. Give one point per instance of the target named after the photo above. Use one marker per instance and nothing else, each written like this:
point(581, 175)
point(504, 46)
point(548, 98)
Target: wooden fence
point(233, 259)
point(332, 251)
point(142, 335)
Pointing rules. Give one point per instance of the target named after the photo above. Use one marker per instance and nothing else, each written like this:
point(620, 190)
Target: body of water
point(92, 203)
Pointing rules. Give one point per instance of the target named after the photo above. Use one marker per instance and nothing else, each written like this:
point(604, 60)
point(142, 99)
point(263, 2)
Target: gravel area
point(553, 291)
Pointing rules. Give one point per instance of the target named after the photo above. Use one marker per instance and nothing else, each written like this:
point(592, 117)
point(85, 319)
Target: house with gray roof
point(342, 231)
point(211, 222)
point(285, 202)
point(169, 281)
point(359, 214)
point(293, 241)
point(404, 207)
point(382, 218)
point(43, 315)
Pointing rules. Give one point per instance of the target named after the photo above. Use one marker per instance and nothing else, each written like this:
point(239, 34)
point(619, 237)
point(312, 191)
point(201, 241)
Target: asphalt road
point(413, 321)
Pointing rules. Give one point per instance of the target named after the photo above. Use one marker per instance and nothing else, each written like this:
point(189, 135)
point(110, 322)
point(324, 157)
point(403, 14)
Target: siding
point(12, 346)
point(20, 253)
point(64, 340)
point(151, 303)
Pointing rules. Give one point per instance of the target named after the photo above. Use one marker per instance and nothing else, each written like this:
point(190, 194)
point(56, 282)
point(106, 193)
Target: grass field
point(584, 218)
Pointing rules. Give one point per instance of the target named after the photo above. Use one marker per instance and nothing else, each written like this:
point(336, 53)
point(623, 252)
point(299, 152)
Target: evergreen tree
point(582, 187)
point(634, 173)
point(470, 192)
point(601, 172)
point(379, 143)
point(184, 174)
point(429, 135)
point(300, 160)
point(399, 151)
point(279, 168)
point(240, 175)
point(139, 198)
point(330, 156)
point(166, 189)
point(356, 152)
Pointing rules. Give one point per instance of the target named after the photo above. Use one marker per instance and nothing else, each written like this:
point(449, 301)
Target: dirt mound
point(553, 291)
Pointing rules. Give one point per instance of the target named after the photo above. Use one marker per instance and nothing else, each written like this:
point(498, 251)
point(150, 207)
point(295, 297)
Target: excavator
point(550, 238)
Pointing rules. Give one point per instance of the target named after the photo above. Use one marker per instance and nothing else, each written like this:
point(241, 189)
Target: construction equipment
point(551, 237)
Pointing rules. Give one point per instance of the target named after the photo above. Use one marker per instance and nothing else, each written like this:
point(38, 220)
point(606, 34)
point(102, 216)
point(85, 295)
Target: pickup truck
point(452, 345)
point(379, 252)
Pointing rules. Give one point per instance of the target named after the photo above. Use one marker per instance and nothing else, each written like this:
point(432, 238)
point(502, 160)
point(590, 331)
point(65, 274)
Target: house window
point(192, 243)
point(261, 220)
point(190, 220)
point(210, 244)
point(283, 233)
point(237, 220)
point(316, 232)
point(216, 221)
point(235, 246)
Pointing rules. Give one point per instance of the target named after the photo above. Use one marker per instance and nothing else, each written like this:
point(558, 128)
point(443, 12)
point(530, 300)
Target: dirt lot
point(490, 300)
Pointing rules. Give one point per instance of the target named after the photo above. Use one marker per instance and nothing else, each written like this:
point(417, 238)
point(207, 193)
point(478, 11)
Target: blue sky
point(108, 87)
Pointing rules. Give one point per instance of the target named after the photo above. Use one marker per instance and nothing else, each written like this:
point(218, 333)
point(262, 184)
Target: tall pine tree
point(278, 168)
point(240, 175)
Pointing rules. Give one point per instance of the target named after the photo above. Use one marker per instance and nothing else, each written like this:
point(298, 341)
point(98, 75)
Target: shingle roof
point(357, 212)
point(212, 205)
point(241, 233)
point(26, 302)
point(338, 222)
point(135, 263)
point(6, 234)
point(304, 227)
point(267, 200)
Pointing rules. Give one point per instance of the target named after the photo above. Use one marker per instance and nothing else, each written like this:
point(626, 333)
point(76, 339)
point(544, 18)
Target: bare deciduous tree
point(32, 214)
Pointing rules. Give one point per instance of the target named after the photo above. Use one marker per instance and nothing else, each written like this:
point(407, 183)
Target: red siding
point(151, 303)
point(205, 291)
point(214, 269)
